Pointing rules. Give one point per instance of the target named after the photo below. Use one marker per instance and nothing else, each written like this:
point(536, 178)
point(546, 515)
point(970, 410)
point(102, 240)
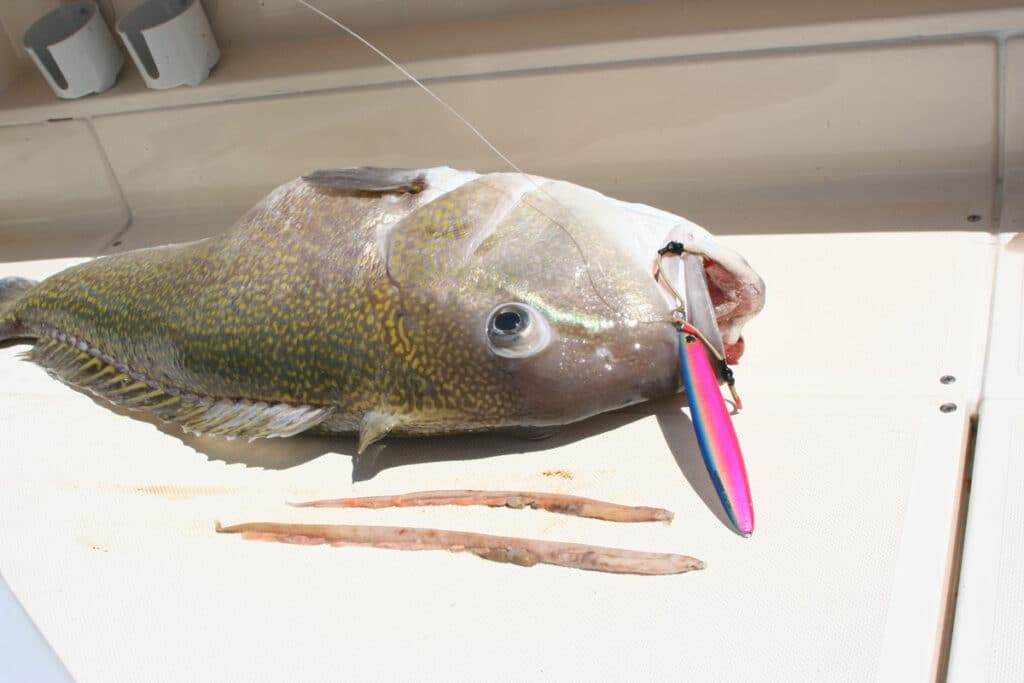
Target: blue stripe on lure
point(716, 435)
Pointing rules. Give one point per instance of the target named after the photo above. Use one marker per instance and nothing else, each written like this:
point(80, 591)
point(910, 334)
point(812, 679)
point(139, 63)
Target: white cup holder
point(74, 50)
point(171, 42)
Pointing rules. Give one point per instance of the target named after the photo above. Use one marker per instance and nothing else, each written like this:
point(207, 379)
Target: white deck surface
point(108, 536)
point(988, 642)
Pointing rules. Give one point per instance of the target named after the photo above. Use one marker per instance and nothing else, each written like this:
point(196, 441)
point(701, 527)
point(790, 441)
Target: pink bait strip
point(715, 433)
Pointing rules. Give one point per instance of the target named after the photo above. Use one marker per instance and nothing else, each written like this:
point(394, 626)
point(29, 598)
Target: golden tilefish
point(384, 301)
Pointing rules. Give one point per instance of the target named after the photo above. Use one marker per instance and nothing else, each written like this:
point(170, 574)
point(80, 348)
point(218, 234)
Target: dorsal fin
point(75, 364)
point(368, 179)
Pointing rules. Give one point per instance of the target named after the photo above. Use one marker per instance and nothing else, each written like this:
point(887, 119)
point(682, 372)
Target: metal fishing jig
point(716, 436)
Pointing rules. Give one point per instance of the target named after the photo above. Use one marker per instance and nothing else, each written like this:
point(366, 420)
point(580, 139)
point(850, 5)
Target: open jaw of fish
point(377, 301)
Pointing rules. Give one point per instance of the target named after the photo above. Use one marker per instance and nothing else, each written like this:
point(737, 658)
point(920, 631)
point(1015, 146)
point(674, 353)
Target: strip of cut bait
point(716, 435)
point(552, 502)
point(522, 551)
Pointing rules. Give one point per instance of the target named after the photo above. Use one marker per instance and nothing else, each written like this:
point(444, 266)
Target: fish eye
point(510, 322)
point(516, 330)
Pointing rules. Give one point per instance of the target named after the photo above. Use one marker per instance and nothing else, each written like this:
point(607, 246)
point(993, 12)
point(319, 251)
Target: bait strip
point(521, 551)
point(552, 502)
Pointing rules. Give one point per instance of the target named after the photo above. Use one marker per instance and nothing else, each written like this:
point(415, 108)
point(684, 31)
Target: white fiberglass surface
point(108, 537)
point(987, 637)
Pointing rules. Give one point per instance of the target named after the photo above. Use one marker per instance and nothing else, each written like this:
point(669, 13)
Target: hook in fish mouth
point(735, 291)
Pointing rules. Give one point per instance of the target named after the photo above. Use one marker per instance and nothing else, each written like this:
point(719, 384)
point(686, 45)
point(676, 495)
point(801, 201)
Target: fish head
point(549, 296)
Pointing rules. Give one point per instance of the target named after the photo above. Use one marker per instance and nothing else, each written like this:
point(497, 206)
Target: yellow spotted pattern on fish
point(366, 300)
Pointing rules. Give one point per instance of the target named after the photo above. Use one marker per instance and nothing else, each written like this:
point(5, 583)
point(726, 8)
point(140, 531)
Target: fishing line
point(718, 444)
point(476, 131)
point(679, 315)
point(437, 98)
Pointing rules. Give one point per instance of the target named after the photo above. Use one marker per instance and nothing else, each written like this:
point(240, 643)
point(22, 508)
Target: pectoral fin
point(374, 426)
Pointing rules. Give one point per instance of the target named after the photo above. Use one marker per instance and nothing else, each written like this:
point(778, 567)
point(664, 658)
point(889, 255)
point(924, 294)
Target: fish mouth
point(736, 298)
point(736, 291)
point(639, 233)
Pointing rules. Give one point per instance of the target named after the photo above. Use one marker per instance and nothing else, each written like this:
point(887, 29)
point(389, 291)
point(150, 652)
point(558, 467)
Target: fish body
point(379, 301)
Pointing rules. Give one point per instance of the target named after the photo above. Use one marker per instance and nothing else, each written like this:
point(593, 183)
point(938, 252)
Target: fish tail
point(11, 290)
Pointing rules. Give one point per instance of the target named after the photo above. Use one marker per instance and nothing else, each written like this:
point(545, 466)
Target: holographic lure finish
point(716, 435)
